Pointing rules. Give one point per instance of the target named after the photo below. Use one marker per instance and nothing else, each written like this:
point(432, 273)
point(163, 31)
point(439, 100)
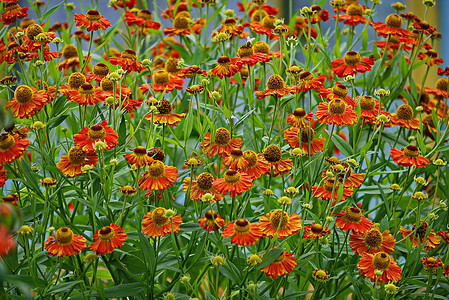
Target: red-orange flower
point(242, 232)
point(404, 117)
point(304, 138)
point(392, 25)
point(211, 221)
point(338, 91)
point(229, 25)
point(372, 241)
point(351, 64)
point(139, 157)
point(203, 184)
point(92, 21)
point(315, 230)
point(27, 101)
point(317, 14)
point(11, 199)
point(128, 61)
point(278, 223)
point(257, 166)
point(409, 156)
point(165, 114)
point(352, 219)
point(13, 11)
point(3, 175)
point(65, 243)
point(87, 137)
point(236, 160)
point(156, 224)
point(12, 147)
point(7, 242)
point(444, 235)
point(108, 238)
point(222, 145)
point(247, 56)
point(181, 25)
point(157, 177)
point(163, 82)
point(329, 190)
point(369, 263)
point(432, 264)
point(369, 109)
point(336, 112)
point(86, 94)
point(225, 68)
point(142, 18)
point(272, 154)
point(299, 118)
point(418, 236)
point(432, 57)
point(276, 87)
point(281, 266)
point(71, 163)
point(308, 81)
point(233, 182)
point(353, 16)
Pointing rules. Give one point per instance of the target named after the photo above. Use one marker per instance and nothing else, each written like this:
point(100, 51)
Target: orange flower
point(71, 163)
point(86, 94)
point(87, 137)
point(352, 219)
point(440, 89)
point(3, 175)
point(27, 101)
point(163, 82)
point(247, 56)
point(128, 61)
point(432, 57)
point(257, 166)
point(225, 68)
point(203, 184)
point(236, 160)
point(317, 14)
point(233, 182)
point(243, 233)
point(262, 50)
point(336, 112)
point(108, 238)
point(281, 266)
point(158, 177)
point(273, 155)
point(122, 3)
point(71, 59)
point(211, 221)
point(299, 118)
point(329, 190)
point(315, 230)
point(13, 11)
point(222, 145)
point(372, 241)
point(7, 242)
point(156, 224)
point(353, 16)
point(266, 27)
point(143, 17)
point(229, 25)
point(165, 114)
point(65, 243)
point(351, 64)
point(276, 87)
point(12, 147)
point(404, 117)
point(392, 25)
point(432, 264)
point(419, 237)
point(139, 157)
point(307, 82)
point(271, 222)
point(444, 235)
point(301, 27)
point(369, 263)
point(11, 199)
point(92, 21)
point(369, 109)
point(181, 25)
point(409, 156)
point(304, 138)
point(339, 91)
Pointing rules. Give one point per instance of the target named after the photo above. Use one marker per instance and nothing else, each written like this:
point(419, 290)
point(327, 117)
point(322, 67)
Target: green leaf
point(342, 145)
point(270, 257)
point(52, 10)
point(62, 287)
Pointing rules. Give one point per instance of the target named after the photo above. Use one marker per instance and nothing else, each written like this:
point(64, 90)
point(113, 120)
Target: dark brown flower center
point(23, 94)
point(86, 89)
point(158, 217)
point(69, 51)
point(394, 21)
point(337, 107)
point(421, 231)
point(7, 141)
point(141, 151)
point(76, 156)
point(404, 112)
point(316, 228)
point(76, 80)
point(275, 82)
point(33, 30)
point(353, 215)
point(101, 69)
point(161, 77)
point(107, 85)
point(96, 132)
point(306, 135)
point(205, 181)
point(242, 226)
point(306, 76)
point(106, 233)
point(411, 151)
point(211, 215)
point(171, 65)
point(222, 137)
point(245, 51)
point(232, 177)
point(381, 261)
point(272, 154)
point(156, 169)
point(352, 58)
point(93, 15)
point(373, 238)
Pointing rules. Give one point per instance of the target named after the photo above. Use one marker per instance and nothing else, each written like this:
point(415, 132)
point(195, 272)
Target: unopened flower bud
point(25, 230)
point(291, 190)
point(214, 95)
point(381, 93)
point(420, 180)
point(217, 260)
point(50, 229)
point(398, 6)
point(169, 296)
point(146, 62)
point(329, 219)
point(229, 13)
point(99, 146)
point(169, 213)
point(285, 200)
point(56, 40)
point(38, 125)
point(114, 76)
point(296, 152)
point(38, 63)
point(91, 257)
point(254, 260)
point(443, 205)
point(252, 286)
point(432, 216)
point(395, 187)
point(113, 162)
point(268, 192)
point(391, 289)
point(378, 272)
point(324, 241)
point(329, 174)
point(429, 3)
point(185, 279)
point(419, 108)
point(208, 197)
point(307, 206)
point(87, 168)
point(439, 162)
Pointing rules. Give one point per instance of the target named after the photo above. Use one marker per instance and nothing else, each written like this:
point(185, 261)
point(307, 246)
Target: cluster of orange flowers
point(237, 169)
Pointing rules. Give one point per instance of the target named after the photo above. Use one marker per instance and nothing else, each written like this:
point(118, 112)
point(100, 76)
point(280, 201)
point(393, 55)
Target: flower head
point(156, 224)
point(65, 243)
